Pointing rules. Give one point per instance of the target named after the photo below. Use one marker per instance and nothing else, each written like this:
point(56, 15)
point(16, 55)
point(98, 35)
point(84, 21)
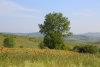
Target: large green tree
point(54, 28)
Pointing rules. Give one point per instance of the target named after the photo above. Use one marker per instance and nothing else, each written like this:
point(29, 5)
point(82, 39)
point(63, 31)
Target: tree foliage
point(54, 28)
point(9, 42)
point(55, 22)
point(52, 40)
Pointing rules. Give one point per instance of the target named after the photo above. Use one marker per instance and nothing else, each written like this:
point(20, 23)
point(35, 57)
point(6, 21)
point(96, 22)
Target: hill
point(22, 40)
point(94, 34)
point(90, 34)
point(36, 34)
point(84, 38)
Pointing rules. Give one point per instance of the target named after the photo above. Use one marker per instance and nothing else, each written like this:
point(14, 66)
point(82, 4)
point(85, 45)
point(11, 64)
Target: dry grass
point(28, 57)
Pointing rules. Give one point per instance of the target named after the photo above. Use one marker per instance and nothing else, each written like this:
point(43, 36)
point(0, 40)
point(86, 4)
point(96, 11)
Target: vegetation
point(41, 45)
point(54, 28)
point(26, 42)
point(9, 42)
point(28, 57)
point(87, 49)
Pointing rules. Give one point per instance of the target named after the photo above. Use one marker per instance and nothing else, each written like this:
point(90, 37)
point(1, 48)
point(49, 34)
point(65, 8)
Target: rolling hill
point(25, 41)
point(85, 38)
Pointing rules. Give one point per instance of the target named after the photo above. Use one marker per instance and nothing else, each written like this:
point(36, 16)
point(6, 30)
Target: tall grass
point(28, 57)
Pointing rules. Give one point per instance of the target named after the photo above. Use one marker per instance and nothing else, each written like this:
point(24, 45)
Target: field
point(29, 57)
point(32, 56)
point(27, 42)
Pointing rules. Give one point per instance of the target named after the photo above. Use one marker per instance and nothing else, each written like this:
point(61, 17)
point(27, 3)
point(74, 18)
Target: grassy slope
point(33, 42)
point(22, 40)
point(84, 39)
point(28, 57)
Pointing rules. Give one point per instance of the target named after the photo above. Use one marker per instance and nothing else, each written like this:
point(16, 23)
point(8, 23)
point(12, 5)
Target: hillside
point(94, 34)
point(22, 40)
point(82, 38)
point(92, 38)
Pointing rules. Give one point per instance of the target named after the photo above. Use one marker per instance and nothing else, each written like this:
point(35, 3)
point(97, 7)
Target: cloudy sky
point(23, 16)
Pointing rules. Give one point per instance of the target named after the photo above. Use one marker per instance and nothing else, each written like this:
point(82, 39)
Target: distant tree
point(55, 27)
point(9, 42)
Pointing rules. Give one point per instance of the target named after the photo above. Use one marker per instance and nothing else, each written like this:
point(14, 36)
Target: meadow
point(31, 56)
point(25, 41)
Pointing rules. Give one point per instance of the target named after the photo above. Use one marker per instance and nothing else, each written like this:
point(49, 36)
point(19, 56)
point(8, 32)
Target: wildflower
point(1, 48)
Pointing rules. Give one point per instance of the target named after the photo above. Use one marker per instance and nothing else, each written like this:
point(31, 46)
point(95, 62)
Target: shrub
point(99, 49)
point(9, 42)
point(76, 48)
point(86, 49)
point(41, 45)
point(5, 35)
point(21, 46)
point(62, 47)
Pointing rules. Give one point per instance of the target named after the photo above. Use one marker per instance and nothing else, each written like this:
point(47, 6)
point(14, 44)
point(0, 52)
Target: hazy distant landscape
point(93, 37)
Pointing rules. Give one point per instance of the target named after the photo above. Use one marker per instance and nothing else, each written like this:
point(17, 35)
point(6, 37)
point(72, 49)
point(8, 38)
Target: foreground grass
point(28, 57)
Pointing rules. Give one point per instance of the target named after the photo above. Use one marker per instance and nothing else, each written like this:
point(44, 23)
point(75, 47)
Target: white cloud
point(8, 8)
point(85, 13)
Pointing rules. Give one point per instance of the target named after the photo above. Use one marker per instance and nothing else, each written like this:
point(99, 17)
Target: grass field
point(27, 42)
point(29, 57)
point(32, 56)
point(33, 42)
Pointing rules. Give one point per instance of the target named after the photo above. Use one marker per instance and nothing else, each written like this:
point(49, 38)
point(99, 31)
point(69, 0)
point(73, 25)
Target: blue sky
point(24, 15)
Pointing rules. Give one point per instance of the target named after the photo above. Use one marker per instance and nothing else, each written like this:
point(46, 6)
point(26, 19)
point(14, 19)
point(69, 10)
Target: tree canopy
point(55, 22)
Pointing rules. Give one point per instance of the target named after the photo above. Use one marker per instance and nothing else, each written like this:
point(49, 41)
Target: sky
point(23, 16)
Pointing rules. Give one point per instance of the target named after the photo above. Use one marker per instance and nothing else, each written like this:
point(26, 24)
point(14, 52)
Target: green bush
point(42, 46)
point(21, 46)
point(62, 47)
point(86, 49)
point(99, 50)
point(9, 42)
point(77, 48)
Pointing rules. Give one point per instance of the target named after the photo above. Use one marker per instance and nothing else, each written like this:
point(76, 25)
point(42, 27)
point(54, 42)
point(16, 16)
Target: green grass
point(33, 42)
point(31, 56)
point(27, 42)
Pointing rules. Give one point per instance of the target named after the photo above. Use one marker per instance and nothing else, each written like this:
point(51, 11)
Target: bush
point(99, 49)
point(9, 42)
point(42, 46)
point(86, 49)
point(77, 48)
point(21, 46)
point(62, 47)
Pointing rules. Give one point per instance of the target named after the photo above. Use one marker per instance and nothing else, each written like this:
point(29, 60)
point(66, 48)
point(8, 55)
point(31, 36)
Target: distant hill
point(37, 34)
point(83, 38)
point(95, 34)
point(86, 38)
